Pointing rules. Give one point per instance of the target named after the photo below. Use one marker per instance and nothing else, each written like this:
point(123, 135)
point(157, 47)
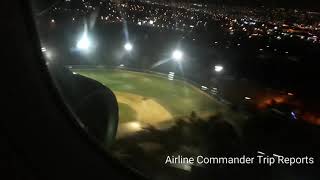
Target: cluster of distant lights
point(255, 27)
point(233, 21)
point(84, 43)
point(117, 14)
point(242, 23)
point(221, 13)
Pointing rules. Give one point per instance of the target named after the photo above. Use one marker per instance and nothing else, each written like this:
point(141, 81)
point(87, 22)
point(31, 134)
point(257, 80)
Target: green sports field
point(176, 97)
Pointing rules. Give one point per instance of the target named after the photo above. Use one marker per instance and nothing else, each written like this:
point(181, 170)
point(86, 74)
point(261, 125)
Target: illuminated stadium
point(151, 98)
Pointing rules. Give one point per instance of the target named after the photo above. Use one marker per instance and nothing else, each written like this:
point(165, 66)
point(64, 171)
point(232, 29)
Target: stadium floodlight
point(84, 42)
point(177, 55)
point(218, 68)
point(128, 46)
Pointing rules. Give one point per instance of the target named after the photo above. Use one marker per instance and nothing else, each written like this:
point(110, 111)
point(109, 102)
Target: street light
point(177, 55)
point(128, 46)
point(218, 68)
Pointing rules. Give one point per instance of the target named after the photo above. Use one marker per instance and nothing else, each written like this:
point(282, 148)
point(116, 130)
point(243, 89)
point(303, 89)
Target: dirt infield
point(148, 110)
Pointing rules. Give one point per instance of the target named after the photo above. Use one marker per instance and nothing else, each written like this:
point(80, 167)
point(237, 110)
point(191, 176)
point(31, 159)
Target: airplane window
point(190, 89)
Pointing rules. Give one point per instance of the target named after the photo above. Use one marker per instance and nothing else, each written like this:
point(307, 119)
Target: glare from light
point(218, 68)
point(84, 42)
point(48, 54)
point(52, 20)
point(247, 98)
point(128, 47)
point(177, 55)
point(161, 62)
point(135, 126)
point(151, 22)
point(294, 115)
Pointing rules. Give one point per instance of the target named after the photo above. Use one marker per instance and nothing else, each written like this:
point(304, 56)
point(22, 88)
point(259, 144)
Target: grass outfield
point(177, 97)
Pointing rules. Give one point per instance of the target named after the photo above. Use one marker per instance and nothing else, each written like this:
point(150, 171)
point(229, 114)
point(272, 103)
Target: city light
point(218, 68)
point(128, 46)
point(177, 55)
